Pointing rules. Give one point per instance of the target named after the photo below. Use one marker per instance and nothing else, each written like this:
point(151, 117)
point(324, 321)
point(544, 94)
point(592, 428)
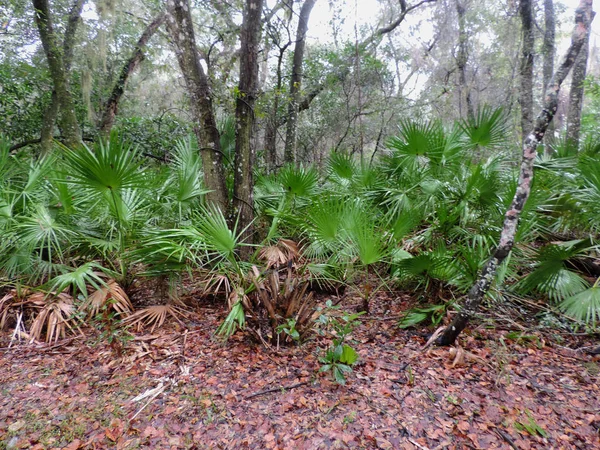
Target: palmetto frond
point(154, 316)
point(486, 129)
point(55, 315)
point(111, 296)
point(584, 306)
point(110, 167)
point(78, 279)
point(341, 168)
point(551, 276)
point(418, 144)
point(298, 181)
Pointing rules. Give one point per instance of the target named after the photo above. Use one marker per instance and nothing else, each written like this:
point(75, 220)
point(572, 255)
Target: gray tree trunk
point(289, 154)
point(181, 31)
point(511, 218)
point(59, 62)
point(549, 52)
point(576, 96)
point(526, 89)
point(112, 105)
point(273, 122)
point(243, 201)
point(462, 59)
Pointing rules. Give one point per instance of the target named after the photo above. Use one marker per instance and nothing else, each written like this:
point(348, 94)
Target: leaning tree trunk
point(243, 186)
point(576, 96)
point(59, 62)
point(112, 105)
point(289, 153)
point(526, 89)
point(507, 236)
point(181, 30)
point(461, 61)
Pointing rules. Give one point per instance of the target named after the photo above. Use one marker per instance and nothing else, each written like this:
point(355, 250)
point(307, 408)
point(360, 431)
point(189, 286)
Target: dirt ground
point(180, 388)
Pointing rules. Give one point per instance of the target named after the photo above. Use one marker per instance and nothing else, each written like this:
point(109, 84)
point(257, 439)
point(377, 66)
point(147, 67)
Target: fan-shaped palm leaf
point(56, 315)
point(486, 129)
point(298, 181)
point(154, 316)
point(550, 276)
point(584, 306)
point(111, 296)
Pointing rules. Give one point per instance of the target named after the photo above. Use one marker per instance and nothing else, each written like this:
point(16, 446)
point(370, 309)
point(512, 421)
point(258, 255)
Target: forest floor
point(534, 391)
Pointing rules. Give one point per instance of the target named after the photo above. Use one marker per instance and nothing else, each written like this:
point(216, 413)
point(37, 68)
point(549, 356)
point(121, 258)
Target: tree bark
point(462, 59)
point(549, 48)
point(480, 288)
point(526, 89)
point(273, 123)
point(181, 31)
point(549, 52)
point(576, 96)
point(112, 105)
point(289, 154)
point(243, 201)
point(59, 63)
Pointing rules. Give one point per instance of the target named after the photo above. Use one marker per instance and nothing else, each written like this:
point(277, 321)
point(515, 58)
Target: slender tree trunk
point(549, 48)
point(576, 96)
point(181, 30)
point(526, 89)
point(243, 200)
point(296, 82)
point(112, 105)
point(273, 121)
point(549, 51)
point(509, 229)
point(462, 59)
point(59, 64)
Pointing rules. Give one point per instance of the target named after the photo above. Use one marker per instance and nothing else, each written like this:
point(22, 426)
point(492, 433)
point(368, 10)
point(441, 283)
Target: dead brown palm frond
point(155, 316)
point(279, 254)
point(6, 304)
point(214, 283)
point(55, 316)
point(110, 296)
point(10, 303)
point(283, 300)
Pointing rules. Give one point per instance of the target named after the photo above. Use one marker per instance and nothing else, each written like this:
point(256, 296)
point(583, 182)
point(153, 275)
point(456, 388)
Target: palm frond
point(154, 316)
point(486, 129)
point(55, 316)
point(298, 181)
point(78, 279)
point(584, 306)
point(111, 296)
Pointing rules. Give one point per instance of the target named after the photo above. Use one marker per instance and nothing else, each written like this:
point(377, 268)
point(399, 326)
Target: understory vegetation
point(81, 228)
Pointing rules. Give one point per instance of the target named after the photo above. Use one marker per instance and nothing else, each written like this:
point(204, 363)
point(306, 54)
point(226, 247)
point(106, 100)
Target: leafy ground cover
point(182, 388)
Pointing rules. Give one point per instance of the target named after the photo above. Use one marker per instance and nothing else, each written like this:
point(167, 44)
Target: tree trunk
point(526, 89)
point(296, 82)
point(549, 51)
point(462, 59)
point(243, 201)
point(59, 63)
point(273, 122)
point(181, 30)
point(112, 105)
point(576, 96)
point(549, 48)
point(509, 229)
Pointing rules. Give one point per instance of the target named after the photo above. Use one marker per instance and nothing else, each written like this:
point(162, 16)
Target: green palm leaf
point(584, 306)
point(299, 181)
point(110, 167)
point(486, 129)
